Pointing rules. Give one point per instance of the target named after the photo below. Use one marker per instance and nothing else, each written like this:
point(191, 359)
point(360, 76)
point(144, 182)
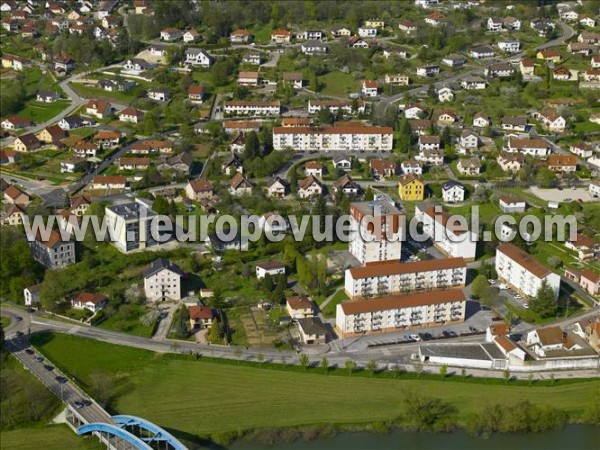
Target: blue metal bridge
point(131, 432)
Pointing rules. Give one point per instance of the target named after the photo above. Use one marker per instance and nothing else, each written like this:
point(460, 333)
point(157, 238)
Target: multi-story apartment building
point(334, 138)
point(379, 226)
point(252, 108)
point(53, 252)
point(522, 272)
point(392, 277)
point(162, 280)
point(447, 235)
point(391, 313)
point(132, 225)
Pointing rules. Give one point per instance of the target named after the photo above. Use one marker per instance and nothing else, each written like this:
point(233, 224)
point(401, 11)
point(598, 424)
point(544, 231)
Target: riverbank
point(201, 400)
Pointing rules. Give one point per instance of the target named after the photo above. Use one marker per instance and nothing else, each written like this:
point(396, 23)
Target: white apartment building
point(449, 236)
point(335, 106)
point(162, 280)
point(379, 228)
point(344, 138)
point(393, 277)
point(522, 272)
point(53, 252)
point(132, 225)
point(392, 313)
point(252, 108)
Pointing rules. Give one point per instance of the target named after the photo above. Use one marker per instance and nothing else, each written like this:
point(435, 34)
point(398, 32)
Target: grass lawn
point(339, 84)
point(49, 437)
point(90, 92)
point(338, 298)
point(5, 321)
point(167, 390)
point(129, 326)
point(41, 112)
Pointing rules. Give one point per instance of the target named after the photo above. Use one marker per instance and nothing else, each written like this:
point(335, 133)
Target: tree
point(372, 366)
point(506, 376)
point(350, 366)
point(480, 283)
point(214, 335)
point(544, 303)
point(404, 135)
point(161, 206)
point(251, 146)
point(304, 361)
point(325, 365)
point(369, 195)
point(294, 181)
point(183, 319)
point(443, 371)
point(325, 116)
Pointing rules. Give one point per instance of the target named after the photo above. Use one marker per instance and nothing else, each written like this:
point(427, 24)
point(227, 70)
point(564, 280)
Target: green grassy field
point(338, 83)
point(41, 112)
point(90, 92)
point(49, 437)
point(205, 398)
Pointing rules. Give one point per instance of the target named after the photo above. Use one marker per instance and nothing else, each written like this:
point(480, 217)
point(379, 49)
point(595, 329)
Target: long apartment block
point(397, 312)
point(523, 272)
point(394, 277)
point(334, 138)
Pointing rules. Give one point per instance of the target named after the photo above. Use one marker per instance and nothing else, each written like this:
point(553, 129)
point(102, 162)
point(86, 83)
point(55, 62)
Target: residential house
point(109, 182)
point(31, 295)
point(470, 167)
point(26, 143)
point(12, 215)
point(481, 120)
point(198, 57)
point(240, 185)
point(562, 163)
point(281, 37)
point(340, 32)
point(357, 42)
point(314, 168)
point(529, 146)
point(310, 187)
point(411, 188)
point(72, 165)
point(248, 79)
point(131, 115)
point(594, 188)
point(85, 149)
point(414, 111)
point(63, 64)
point(252, 58)
point(381, 168)
point(201, 317)
point(162, 281)
point(468, 141)
point(252, 108)
point(473, 83)
point(453, 192)
point(312, 331)
point(98, 108)
point(196, 94)
point(346, 186)
point(512, 204)
point(52, 135)
point(90, 301)
point(107, 139)
point(552, 121)
point(454, 60)
point(587, 21)
point(514, 123)
point(293, 78)
point(240, 36)
point(73, 122)
point(191, 36)
point(399, 79)
point(494, 24)
point(171, 34)
point(584, 246)
point(509, 46)
point(9, 156)
point(510, 162)
point(47, 96)
point(342, 163)
point(499, 70)
point(299, 307)
point(13, 195)
point(307, 35)
point(429, 143)
point(51, 250)
point(232, 165)
point(582, 149)
point(436, 19)
point(411, 166)
point(313, 48)
point(590, 282)
point(549, 55)
point(200, 189)
point(128, 163)
point(79, 204)
point(271, 268)
point(370, 88)
point(445, 117)
point(428, 71)
point(445, 94)
point(137, 65)
point(482, 52)
point(159, 95)
point(16, 123)
point(562, 73)
point(277, 187)
point(527, 68)
point(408, 26)
point(588, 37)
point(365, 32)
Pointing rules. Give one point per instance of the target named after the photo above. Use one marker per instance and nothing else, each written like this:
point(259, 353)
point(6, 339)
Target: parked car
point(61, 380)
point(29, 351)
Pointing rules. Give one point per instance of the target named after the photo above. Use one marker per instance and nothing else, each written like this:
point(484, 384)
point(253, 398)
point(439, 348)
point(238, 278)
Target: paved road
point(337, 352)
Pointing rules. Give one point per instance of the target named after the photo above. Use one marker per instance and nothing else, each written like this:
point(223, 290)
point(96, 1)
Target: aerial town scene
point(300, 224)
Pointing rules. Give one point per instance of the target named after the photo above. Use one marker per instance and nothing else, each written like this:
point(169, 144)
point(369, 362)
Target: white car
point(415, 337)
point(525, 305)
point(518, 296)
point(492, 281)
point(502, 286)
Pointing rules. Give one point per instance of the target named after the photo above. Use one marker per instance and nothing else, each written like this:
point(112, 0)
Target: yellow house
point(411, 188)
point(549, 54)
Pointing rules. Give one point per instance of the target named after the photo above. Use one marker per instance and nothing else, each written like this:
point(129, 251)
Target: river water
point(572, 437)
